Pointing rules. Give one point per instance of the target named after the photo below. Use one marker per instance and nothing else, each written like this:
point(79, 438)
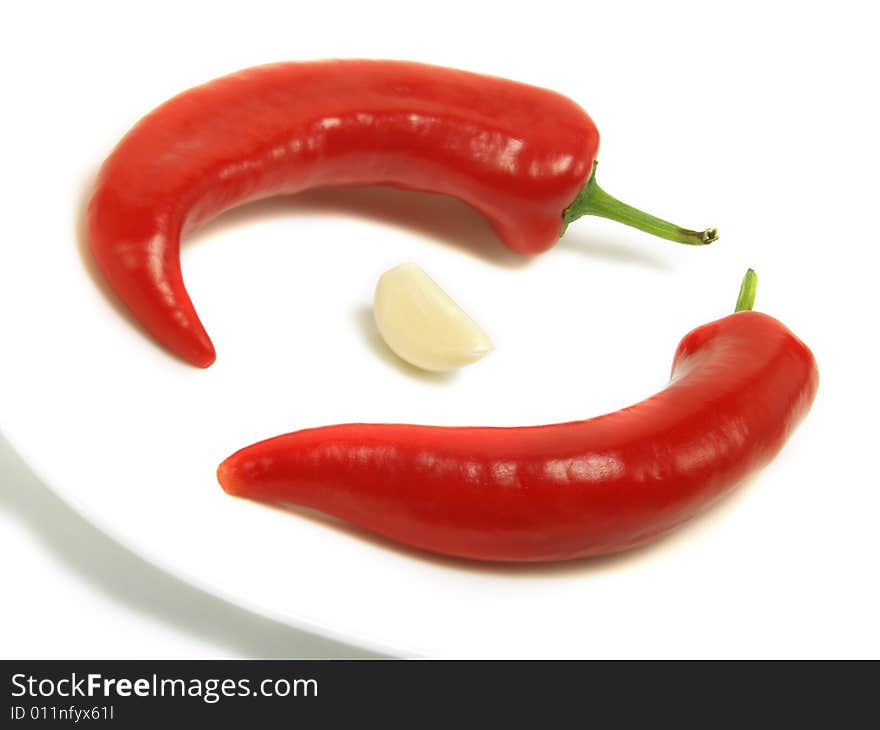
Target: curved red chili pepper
point(739, 387)
point(520, 155)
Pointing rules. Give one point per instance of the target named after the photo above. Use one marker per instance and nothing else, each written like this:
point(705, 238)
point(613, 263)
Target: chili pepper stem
point(592, 200)
point(746, 299)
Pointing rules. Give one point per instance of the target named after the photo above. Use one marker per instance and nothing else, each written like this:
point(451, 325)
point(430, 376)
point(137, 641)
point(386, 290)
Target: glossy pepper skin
point(520, 155)
point(739, 387)
point(516, 153)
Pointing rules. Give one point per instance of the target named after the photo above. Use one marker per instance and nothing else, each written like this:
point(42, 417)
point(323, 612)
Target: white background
point(760, 119)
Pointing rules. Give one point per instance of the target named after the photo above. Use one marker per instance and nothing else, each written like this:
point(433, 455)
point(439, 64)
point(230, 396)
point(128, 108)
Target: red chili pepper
point(520, 155)
point(739, 387)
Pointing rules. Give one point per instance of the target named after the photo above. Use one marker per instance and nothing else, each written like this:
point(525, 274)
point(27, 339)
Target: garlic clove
point(422, 324)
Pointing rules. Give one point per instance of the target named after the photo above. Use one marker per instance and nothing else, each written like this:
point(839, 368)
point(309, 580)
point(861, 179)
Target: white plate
point(131, 437)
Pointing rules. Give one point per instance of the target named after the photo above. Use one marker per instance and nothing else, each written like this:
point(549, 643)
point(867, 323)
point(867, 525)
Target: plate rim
point(352, 639)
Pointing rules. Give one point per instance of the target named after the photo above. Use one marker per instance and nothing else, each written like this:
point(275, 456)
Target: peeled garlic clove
point(422, 325)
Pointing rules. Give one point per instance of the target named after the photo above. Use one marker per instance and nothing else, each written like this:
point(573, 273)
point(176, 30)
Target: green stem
point(746, 299)
point(592, 200)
